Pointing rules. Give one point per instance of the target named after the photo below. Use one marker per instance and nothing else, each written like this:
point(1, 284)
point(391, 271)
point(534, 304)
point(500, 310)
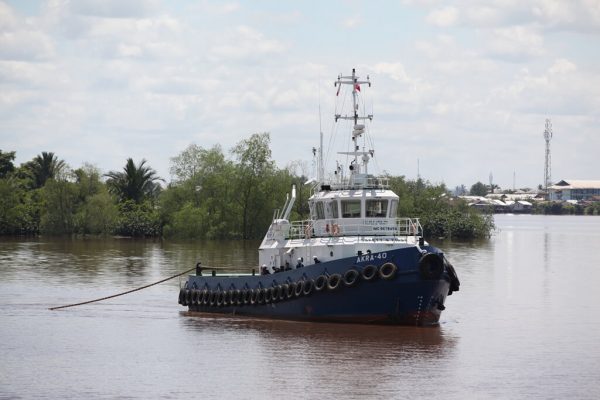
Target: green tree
point(136, 182)
point(43, 167)
point(203, 192)
point(60, 204)
point(252, 172)
point(138, 219)
point(98, 215)
point(88, 181)
point(478, 189)
point(6, 163)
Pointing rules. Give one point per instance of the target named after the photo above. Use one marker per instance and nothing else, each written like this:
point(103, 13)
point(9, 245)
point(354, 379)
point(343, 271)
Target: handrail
point(355, 227)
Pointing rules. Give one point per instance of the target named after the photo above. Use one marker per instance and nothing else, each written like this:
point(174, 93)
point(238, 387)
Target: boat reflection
point(376, 341)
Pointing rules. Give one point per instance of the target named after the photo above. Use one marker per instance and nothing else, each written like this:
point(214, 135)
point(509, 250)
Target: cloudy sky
point(461, 88)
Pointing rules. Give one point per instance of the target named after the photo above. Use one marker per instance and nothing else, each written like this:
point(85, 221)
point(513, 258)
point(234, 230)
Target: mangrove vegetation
point(212, 195)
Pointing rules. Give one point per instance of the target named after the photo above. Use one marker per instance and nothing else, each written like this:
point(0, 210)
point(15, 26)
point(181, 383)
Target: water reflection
point(331, 360)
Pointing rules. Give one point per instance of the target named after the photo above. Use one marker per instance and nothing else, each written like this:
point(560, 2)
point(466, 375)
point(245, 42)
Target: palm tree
point(135, 182)
point(43, 167)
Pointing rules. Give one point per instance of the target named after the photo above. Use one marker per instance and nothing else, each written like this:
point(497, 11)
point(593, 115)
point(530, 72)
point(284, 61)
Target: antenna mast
point(547, 164)
point(358, 129)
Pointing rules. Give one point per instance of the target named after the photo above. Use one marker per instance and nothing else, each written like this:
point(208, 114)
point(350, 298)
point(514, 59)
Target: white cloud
point(244, 42)
point(352, 22)
point(516, 42)
point(113, 8)
point(443, 17)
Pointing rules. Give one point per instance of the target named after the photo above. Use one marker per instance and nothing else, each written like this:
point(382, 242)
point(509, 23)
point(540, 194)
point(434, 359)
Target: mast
point(358, 129)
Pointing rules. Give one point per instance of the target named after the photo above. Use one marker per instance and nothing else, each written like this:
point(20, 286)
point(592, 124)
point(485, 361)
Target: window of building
point(351, 208)
point(376, 208)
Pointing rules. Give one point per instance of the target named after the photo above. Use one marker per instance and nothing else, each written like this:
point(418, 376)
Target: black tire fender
point(320, 283)
point(351, 277)
point(388, 270)
point(431, 266)
point(333, 282)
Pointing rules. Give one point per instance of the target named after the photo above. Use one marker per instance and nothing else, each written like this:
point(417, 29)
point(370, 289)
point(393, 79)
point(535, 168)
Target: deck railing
point(355, 227)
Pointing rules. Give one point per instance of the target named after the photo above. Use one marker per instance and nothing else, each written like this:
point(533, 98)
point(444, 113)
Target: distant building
point(571, 189)
point(491, 204)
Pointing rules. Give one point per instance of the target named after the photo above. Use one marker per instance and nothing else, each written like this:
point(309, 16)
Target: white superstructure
point(352, 214)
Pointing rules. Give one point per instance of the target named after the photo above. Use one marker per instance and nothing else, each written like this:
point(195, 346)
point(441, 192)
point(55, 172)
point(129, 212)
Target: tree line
point(213, 195)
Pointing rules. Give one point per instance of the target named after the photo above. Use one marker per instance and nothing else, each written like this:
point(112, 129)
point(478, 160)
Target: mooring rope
point(121, 294)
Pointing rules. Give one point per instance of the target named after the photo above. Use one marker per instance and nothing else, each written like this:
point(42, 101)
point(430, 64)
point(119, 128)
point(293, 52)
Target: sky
point(460, 89)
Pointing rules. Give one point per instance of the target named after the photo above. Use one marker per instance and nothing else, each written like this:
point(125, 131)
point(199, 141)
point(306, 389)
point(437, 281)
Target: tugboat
point(353, 261)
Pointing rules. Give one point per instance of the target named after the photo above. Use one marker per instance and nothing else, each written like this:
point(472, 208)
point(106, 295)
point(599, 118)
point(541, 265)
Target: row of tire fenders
point(285, 291)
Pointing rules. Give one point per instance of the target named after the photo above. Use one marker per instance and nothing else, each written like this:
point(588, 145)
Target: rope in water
point(121, 294)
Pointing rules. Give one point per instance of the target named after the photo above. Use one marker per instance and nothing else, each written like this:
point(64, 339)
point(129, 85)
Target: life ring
point(320, 283)
point(308, 287)
point(308, 231)
point(298, 288)
point(411, 228)
point(254, 296)
point(333, 282)
point(335, 229)
point(388, 270)
point(351, 277)
point(205, 296)
point(181, 299)
point(188, 297)
point(369, 273)
point(431, 266)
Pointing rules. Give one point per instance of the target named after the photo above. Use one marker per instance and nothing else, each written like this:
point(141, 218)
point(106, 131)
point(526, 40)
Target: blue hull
point(411, 295)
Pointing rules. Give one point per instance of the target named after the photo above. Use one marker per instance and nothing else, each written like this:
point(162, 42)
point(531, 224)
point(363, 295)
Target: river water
point(525, 324)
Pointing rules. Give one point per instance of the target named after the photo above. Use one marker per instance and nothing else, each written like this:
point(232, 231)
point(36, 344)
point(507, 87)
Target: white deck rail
point(356, 227)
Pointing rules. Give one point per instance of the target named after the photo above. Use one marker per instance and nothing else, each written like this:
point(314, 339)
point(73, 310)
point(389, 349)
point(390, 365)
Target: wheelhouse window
point(393, 208)
point(332, 208)
point(320, 211)
point(350, 208)
point(377, 208)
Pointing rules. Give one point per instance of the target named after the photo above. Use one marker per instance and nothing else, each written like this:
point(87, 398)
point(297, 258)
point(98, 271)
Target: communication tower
point(547, 166)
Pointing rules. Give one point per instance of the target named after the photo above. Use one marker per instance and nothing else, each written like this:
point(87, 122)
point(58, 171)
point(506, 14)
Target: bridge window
point(351, 208)
point(377, 208)
point(393, 208)
point(333, 209)
point(320, 210)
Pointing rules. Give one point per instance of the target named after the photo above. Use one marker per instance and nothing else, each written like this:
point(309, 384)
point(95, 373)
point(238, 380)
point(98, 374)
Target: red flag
point(357, 87)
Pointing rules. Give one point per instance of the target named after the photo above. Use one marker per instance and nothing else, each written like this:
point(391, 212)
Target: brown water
point(525, 324)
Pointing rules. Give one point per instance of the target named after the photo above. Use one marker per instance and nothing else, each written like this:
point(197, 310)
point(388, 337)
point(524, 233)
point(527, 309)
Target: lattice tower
point(547, 164)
